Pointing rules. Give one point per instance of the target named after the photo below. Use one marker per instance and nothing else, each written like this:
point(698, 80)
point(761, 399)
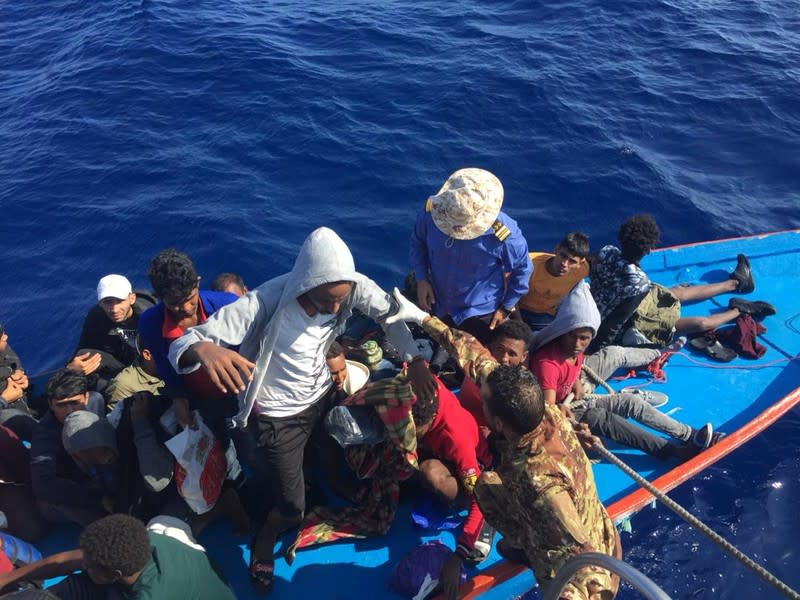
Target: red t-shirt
point(553, 371)
point(470, 397)
point(454, 437)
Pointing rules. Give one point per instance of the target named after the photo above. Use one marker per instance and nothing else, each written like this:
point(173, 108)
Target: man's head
point(424, 413)
point(146, 361)
point(229, 282)
point(67, 391)
point(467, 204)
point(115, 296)
point(115, 549)
point(328, 298)
point(90, 440)
point(509, 342)
point(574, 342)
point(512, 400)
point(337, 365)
point(637, 237)
point(175, 282)
point(570, 254)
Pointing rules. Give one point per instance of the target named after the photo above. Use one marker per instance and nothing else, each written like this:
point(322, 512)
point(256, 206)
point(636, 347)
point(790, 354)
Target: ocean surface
point(231, 130)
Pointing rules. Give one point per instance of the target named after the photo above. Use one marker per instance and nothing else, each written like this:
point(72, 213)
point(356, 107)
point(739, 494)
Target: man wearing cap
point(107, 340)
point(470, 259)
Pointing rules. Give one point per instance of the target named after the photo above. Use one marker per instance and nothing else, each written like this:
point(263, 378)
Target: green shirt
point(178, 571)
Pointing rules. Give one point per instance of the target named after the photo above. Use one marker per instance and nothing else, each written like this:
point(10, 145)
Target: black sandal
point(262, 573)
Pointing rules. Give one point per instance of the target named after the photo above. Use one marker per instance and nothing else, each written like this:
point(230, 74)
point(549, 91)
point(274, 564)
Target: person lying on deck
point(626, 298)
point(118, 557)
point(557, 362)
point(543, 498)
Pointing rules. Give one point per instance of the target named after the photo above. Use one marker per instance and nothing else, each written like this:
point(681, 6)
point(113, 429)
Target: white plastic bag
point(202, 466)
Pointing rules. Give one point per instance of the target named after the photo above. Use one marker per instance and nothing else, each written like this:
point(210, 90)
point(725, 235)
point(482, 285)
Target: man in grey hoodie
point(283, 329)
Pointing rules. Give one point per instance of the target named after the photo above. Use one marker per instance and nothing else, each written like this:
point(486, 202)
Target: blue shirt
point(150, 333)
point(468, 275)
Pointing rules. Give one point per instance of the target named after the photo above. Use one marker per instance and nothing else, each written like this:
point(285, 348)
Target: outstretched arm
point(56, 565)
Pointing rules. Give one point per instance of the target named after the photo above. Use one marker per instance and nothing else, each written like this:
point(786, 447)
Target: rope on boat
point(698, 524)
point(685, 514)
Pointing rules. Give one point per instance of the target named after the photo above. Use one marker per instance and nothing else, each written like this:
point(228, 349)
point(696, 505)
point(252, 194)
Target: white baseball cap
point(113, 286)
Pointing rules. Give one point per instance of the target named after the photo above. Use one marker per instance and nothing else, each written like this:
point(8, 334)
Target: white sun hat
point(468, 203)
point(357, 377)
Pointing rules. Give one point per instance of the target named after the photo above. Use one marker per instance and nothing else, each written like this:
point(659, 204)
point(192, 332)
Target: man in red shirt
point(456, 453)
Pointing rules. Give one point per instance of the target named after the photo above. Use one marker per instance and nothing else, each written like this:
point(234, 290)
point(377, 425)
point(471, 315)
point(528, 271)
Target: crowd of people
point(274, 371)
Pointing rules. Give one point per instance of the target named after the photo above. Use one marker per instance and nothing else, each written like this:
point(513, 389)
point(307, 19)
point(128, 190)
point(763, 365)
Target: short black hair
point(516, 398)
point(117, 543)
point(637, 236)
point(513, 329)
point(424, 412)
point(223, 280)
point(172, 274)
point(66, 383)
point(336, 349)
point(576, 243)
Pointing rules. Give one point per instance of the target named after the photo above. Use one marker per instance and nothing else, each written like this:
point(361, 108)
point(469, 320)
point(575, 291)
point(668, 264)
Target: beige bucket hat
point(467, 204)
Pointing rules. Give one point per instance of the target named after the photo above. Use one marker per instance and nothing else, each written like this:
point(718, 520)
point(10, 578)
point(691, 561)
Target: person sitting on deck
point(452, 455)
point(619, 287)
point(509, 346)
point(557, 361)
point(141, 376)
point(61, 487)
point(14, 410)
point(554, 275)
point(106, 343)
point(118, 557)
point(229, 282)
point(543, 498)
point(282, 329)
point(470, 259)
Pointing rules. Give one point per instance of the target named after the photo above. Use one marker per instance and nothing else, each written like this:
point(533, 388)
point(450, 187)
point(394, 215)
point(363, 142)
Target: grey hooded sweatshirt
point(577, 309)
point(252, 322)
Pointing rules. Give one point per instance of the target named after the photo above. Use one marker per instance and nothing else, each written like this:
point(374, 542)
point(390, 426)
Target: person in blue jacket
point(469, 258)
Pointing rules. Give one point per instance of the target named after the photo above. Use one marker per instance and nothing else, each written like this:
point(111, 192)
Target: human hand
point(13, 391)
point(85, 363)
point(585, 436)
point(425, 297)
point(139, 405)
point(499, 316)
point(422, 382)
point(450, 575)
point(183, 415)
point(406, 311)
point(227, 369)
point(20, 378)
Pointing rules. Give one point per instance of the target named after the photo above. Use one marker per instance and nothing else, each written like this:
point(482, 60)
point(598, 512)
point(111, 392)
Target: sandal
point(713, 349)
point(261, 574)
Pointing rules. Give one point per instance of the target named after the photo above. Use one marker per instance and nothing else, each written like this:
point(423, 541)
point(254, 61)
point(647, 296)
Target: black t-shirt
point(118, 339)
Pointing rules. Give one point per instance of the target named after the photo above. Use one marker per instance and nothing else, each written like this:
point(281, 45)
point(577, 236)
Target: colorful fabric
point(545, 291)
point(614, 279)
point(544, 501)
point(385, 465)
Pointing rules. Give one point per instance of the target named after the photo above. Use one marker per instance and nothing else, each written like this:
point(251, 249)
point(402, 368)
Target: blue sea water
point(230, 130)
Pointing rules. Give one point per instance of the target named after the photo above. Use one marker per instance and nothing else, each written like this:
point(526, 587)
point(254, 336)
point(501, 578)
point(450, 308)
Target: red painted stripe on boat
point(504, 570)
point(730, 239)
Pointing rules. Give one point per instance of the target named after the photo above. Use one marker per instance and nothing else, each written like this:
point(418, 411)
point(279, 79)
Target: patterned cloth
point(543, 497)
point(385, 465)
point(614, 279)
